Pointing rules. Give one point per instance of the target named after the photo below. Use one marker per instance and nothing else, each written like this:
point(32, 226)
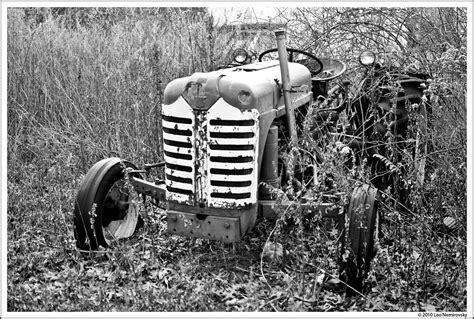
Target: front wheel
point(362, 234)
point(103, 210)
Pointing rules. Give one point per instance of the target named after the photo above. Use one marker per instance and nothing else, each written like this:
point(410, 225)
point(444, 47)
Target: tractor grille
point(233, 143)
point(178, 148)
point(211, 156)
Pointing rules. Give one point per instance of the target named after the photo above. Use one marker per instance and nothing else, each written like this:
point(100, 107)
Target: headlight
point(367, 58)
point(239, 55)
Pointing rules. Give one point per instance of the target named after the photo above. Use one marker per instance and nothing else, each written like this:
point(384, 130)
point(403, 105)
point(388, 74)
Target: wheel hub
point(122, 215)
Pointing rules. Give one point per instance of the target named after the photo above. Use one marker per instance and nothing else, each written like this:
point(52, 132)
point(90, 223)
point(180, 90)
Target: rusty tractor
point(222, 134)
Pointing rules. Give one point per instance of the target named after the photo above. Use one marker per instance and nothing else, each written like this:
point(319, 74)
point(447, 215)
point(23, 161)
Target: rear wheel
point(104, 211)
point(362, 234)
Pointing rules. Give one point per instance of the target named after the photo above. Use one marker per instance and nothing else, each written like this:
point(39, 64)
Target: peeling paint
point(235, 131)
point(176, 167)
point(201, 157)
point(223, 148)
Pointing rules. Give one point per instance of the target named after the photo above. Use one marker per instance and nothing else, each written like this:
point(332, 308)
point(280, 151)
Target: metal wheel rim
point(121, 228)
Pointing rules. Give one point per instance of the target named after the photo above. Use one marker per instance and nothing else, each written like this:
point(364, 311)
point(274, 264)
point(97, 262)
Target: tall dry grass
point(88, 84)
point(89, 89)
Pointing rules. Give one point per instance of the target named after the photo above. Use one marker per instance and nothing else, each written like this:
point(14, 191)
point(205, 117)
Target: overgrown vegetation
point(85, 84)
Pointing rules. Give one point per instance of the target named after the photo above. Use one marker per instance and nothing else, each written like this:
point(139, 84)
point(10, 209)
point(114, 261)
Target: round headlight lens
point(240, 55)
point(367, 58)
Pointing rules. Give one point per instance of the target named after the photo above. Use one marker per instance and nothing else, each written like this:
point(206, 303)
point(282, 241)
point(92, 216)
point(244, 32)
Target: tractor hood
point(253, 86)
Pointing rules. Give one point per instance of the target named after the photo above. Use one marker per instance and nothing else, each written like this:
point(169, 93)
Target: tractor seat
point(332, 68)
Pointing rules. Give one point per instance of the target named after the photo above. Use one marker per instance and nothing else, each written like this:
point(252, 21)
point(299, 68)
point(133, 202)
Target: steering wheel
point(314, 65)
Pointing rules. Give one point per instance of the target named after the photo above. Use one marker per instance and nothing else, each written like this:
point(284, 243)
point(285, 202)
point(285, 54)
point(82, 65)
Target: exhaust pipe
point(285, 79)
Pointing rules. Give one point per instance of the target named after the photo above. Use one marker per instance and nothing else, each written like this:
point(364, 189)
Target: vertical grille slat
point(175, 131)
point(179, 167)
point(224, 147)
point(244, 171)
point(235, 134)
point(176, 119)
point(178, 143)
point(178, 162)
point(232, 123)
point(231, 195)
point(176, 138)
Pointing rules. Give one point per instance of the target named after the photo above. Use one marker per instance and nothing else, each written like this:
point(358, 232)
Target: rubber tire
point(361, 235)
point(93, 190)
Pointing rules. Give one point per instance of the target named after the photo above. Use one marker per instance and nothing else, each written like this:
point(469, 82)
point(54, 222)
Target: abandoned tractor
point(222, 135)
